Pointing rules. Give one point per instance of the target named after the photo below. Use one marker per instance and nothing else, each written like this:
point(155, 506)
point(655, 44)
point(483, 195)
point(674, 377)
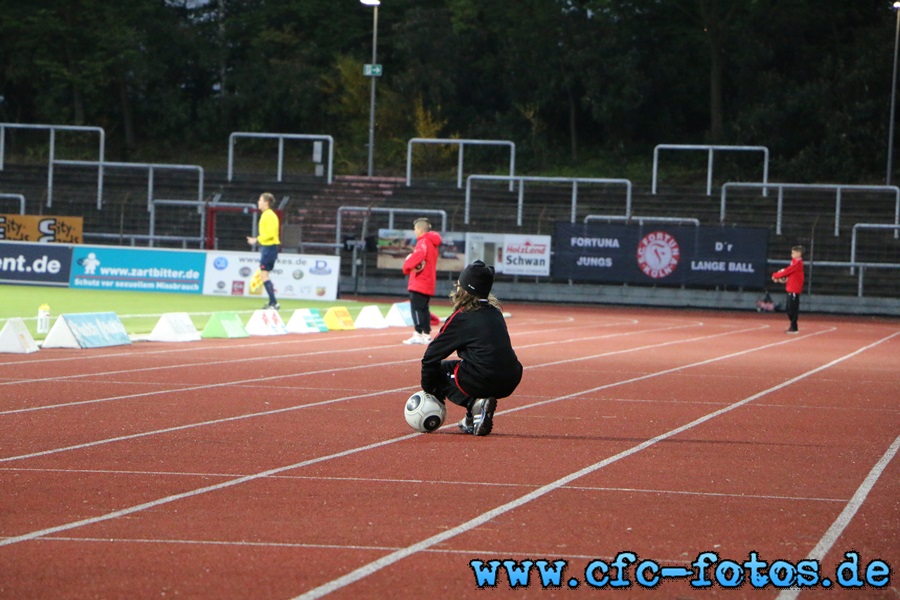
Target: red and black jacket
point(488, 364)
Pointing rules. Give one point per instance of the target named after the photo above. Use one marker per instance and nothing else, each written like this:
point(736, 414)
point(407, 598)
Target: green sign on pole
point(372, 70)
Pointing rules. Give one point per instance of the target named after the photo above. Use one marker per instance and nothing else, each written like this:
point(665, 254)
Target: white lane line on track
point(656, 373)
point(143, 434)
point(210, 488)
point(205, 386)
point(346, 398)
point(393, 557)
point(554, 552)
point(417, 482)
point(255, 381)
point(398, 555)
point(843, 520)
point(468, 552)
point(245, 360)
point(266, 343)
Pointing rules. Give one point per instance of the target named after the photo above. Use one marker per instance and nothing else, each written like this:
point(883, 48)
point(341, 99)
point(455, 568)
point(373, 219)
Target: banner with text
point(511, 254)
point(138, 270)
point(661, 255)
point(35, 264)
point(41, 228)
point(299, 276)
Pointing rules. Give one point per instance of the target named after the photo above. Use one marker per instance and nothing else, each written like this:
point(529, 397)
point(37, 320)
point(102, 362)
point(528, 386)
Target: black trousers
point(421, 313)
point(449, 389)
point(792, 308)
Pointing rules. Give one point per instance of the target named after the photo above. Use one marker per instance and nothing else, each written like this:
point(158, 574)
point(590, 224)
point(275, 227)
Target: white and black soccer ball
point(424, 412)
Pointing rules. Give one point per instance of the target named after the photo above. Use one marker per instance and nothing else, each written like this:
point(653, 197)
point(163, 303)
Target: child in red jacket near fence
point(792, 278)
point(421, 266)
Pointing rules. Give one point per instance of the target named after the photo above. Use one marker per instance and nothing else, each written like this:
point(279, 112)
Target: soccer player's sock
point(270, 289)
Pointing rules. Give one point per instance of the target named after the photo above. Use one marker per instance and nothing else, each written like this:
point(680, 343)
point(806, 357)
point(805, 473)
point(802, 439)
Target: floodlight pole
point(374, 4)
point(890, 152)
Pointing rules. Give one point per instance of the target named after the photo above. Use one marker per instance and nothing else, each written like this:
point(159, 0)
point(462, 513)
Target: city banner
point(41, 228)
point(656, 254)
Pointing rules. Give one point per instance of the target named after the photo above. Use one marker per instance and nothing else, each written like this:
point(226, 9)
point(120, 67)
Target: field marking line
point(267, 341)
point(323, 402)
point(448, 551)
point(196, 492)
point(397, 555)
point(242, 360)
point(659, 373)
point(831, 536)
point(175, 428)
point(443, 482)
point(257, 380)
point(390, 559)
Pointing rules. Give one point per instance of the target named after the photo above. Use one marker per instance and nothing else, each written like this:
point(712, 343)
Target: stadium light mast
point(372, 71)
point(890, 152)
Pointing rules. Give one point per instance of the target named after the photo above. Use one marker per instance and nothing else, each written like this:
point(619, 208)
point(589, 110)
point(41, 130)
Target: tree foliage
point(567, 80)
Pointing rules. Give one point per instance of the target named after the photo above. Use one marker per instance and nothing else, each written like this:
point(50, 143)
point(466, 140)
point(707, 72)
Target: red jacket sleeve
point(788, 270)
point(417, 256)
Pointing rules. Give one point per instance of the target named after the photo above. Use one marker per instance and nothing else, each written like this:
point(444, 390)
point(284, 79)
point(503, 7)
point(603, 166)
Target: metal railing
point(461, 143)
point(151, 169)
point(862, 266)
point(642, 220)
point(281, 137)
point(18, 197)
point(390, 212)
point(522, 179)
point(862, 269)
point(837, 188)
point(247, 208)
point(198, 204)
point(51, 161)
point(134, 237)
point(152, 201)
point(859, 226)
point(151, 237)
point(709, 164)
point(359, 245)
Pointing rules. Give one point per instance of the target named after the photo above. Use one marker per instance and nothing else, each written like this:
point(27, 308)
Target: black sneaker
point(465, 425)
point(483, 416)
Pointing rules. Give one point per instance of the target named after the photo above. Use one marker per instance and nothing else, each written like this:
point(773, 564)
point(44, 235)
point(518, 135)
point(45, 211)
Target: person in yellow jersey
point(269, 244)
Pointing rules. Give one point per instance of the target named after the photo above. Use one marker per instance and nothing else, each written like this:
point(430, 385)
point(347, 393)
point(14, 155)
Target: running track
point(282, 467)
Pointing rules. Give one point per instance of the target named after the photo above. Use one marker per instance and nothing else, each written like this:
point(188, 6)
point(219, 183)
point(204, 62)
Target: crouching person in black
point(487, 368)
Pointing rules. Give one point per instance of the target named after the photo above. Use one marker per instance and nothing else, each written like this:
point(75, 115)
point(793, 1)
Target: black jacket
point(488, 367)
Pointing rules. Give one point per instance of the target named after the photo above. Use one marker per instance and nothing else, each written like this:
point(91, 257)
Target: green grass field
point(140, 311)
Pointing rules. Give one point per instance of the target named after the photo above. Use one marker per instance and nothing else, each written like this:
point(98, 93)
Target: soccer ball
point(424, 412)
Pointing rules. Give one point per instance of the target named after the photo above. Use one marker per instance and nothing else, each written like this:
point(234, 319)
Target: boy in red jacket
point(792, 277)
point(421, 266)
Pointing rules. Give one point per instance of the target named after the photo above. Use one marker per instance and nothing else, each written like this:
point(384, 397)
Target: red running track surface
point(282, 467)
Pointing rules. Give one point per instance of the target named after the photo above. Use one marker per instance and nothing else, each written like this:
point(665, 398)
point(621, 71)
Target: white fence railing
point(522, 179)
point(709, 161)
point(281, 137)
point(462, 144)
point(836, 188)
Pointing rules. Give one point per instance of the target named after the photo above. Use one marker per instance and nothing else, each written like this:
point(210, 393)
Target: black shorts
point(267, 257)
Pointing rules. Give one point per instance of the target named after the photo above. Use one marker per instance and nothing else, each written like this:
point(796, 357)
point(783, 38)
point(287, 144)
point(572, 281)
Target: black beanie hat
point(477, 279)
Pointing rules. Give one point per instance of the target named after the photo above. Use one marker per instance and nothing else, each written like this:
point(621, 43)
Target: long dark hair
point(466, 302)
